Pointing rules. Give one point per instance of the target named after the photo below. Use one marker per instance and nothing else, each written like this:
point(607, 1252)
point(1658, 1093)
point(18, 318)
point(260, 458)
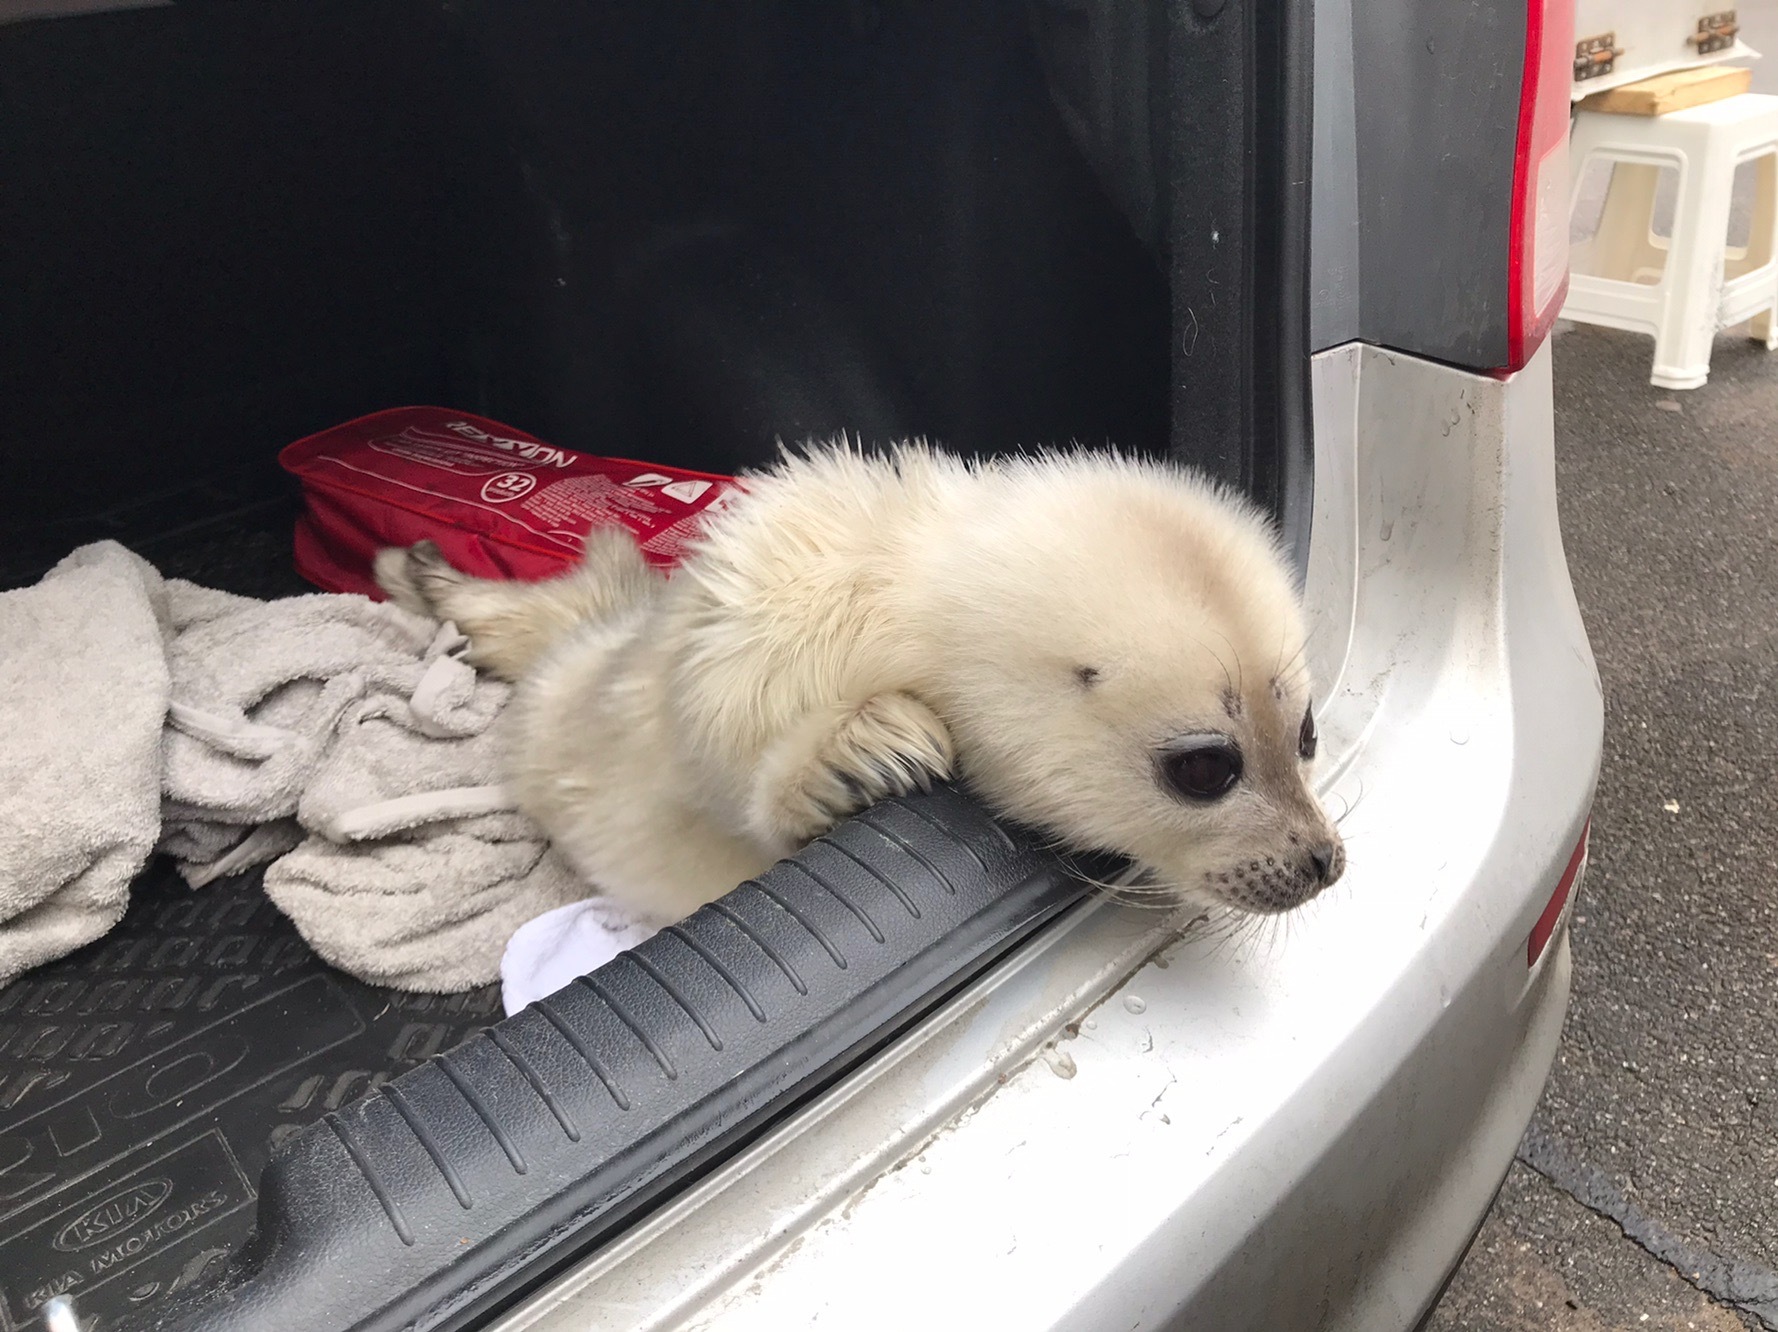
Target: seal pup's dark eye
point(1306, 739)
point(1202, 768)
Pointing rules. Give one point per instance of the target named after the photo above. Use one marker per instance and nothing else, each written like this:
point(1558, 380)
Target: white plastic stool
point(1685, 288)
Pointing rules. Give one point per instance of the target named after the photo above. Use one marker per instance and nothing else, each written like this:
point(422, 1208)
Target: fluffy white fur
point(856, 626)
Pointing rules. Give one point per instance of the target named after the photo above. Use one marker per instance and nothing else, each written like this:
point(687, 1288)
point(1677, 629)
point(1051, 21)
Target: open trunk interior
point(665, 232)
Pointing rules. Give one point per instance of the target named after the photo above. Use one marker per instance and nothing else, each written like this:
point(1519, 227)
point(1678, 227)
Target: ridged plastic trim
point(436, 1199)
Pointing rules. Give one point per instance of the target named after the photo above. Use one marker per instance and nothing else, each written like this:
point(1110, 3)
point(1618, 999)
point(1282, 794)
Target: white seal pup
point(1106, 649)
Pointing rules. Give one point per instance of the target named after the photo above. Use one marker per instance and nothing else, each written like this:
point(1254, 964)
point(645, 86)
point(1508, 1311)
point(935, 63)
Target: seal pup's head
point(1119, 651)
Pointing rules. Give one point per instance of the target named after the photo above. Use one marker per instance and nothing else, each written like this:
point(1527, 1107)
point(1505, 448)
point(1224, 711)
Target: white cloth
point(545, 954)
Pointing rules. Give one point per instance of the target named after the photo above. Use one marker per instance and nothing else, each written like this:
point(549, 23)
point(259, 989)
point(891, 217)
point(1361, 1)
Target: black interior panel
point(642, 230)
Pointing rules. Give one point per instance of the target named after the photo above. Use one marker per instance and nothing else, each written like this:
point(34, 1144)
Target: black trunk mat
point(145, 1079)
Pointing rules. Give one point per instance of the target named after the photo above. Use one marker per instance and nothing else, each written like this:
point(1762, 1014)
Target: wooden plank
point(1672, 92)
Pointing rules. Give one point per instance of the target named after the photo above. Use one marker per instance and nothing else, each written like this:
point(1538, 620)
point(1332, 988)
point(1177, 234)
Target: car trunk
point(663, 232)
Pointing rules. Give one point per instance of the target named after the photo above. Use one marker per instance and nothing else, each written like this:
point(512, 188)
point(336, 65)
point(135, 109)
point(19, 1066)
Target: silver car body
point(1141, 1122)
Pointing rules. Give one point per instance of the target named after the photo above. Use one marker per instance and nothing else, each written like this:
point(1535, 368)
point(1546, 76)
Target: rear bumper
point(1126, 1126)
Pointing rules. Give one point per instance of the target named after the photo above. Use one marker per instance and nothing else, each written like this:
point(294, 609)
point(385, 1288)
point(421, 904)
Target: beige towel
point(83, 693)
point(418, 870)
point(346, 741)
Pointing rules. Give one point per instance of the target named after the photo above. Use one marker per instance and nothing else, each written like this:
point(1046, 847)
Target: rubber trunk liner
point(457, 1188)
point(145, 1079)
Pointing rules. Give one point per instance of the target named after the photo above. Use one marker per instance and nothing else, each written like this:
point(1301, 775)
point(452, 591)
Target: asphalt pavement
point(1646, 1194)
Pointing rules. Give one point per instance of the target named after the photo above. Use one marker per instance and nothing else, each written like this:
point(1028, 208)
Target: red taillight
point(1552, 912)
point(1537, 257)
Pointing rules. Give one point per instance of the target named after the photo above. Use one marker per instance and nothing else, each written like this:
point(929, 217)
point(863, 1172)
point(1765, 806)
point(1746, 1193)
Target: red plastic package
point(500, 503)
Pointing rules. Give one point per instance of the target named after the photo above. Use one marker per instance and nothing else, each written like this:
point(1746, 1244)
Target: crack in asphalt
point(1746, 1286)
